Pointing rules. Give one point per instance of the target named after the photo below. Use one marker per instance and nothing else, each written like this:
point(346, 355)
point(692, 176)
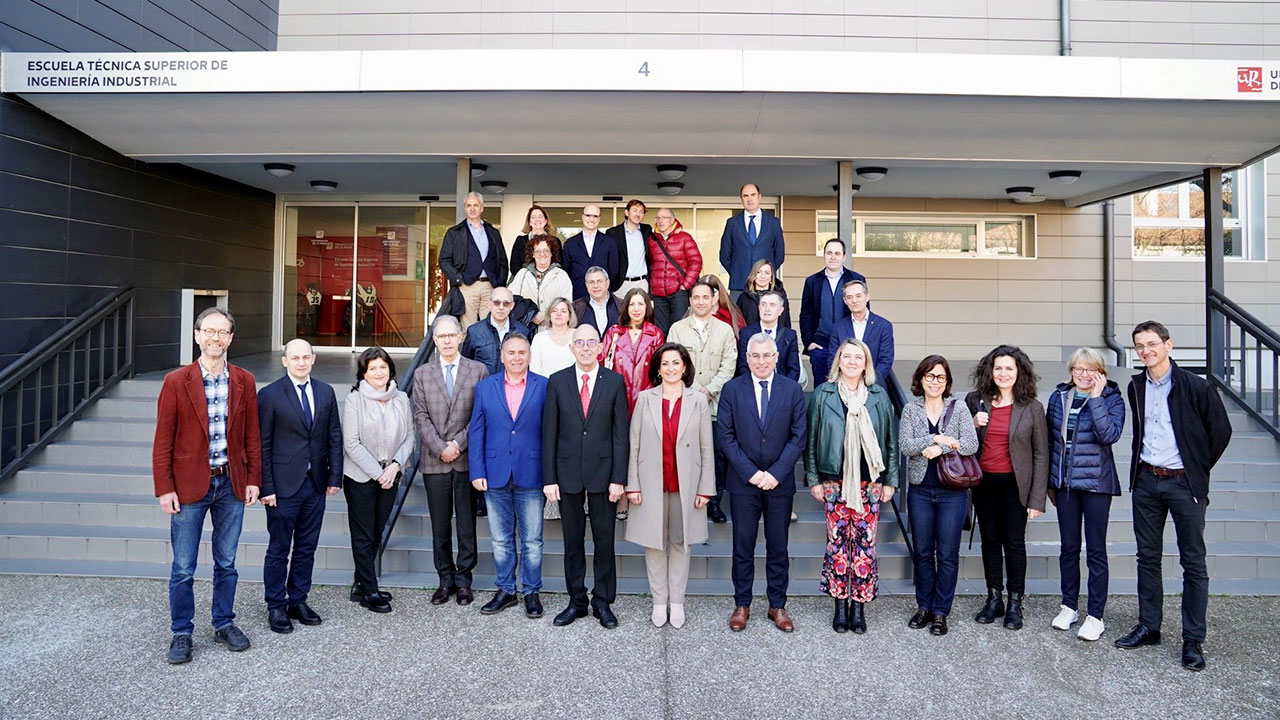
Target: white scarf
point(859, 439)
point(383, 428)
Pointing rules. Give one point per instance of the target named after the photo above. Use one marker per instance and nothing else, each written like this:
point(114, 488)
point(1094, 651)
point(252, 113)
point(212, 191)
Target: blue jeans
point(937, 519)
point(515, 509)
point(1094, 510)
point(184, 534)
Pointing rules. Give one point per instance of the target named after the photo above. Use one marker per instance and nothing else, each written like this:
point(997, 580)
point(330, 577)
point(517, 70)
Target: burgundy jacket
point(180, 455)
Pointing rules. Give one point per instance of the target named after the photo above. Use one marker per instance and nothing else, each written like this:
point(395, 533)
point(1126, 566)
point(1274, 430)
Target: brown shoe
point(465, 597)
point(738, 620)
point(441, 595)
point(781, 619)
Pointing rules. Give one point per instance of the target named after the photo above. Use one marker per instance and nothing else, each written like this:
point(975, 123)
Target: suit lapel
point(685, 420)
point(1015, 416)
point(601, 383)
point(291, 391)
point(524, 400)
point(195, 393)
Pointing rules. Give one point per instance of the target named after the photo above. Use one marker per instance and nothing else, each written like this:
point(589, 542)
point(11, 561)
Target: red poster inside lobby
point(325, 276)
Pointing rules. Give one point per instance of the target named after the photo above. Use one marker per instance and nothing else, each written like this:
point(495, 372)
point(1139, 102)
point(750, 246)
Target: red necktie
point(585, 395)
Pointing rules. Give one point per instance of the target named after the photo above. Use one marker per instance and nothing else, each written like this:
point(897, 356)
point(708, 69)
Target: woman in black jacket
point(760, 279)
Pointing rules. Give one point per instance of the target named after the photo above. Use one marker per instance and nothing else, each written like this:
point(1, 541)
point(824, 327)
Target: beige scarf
point(859, 439)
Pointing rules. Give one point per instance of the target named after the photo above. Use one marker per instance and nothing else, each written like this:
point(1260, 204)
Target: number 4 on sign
point(644, 69)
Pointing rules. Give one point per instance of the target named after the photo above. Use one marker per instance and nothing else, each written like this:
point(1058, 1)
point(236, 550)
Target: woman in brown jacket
point(670, 478)
point(1014, 455)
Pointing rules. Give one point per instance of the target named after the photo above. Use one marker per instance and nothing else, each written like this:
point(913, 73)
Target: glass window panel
point(710, 226)
point(318, 273)
point(1162, 203)
point(1168, 242)
point(902, 237)
point(1003, 238)
point(1230, 208)
point(390, 276)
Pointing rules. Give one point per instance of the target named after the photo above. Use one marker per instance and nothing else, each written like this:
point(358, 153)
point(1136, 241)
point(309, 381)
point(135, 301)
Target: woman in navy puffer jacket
point(1086, 417)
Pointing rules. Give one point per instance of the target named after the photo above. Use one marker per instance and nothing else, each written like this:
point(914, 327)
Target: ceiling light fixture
point(672, 172)
point(428, 198)
point(855, 187)
point(478, 169)
point(279, 169)
point(324, 185)
point(1020, 192)
point(494, 186)
point(1065, 177)
point(670, 188)
point(872, 174)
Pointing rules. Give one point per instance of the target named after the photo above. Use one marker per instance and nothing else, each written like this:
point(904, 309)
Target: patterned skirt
point(849, 570)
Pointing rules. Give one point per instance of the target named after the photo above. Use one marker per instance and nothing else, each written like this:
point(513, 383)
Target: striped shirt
point(216, 392)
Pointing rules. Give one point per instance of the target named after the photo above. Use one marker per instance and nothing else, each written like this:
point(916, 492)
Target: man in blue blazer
point(770, 305)
point(590, 248)
point(301, 463)
point(761, 428)
point(821, 307)
point(870, 328)
point(749, 236)
point(505, 449)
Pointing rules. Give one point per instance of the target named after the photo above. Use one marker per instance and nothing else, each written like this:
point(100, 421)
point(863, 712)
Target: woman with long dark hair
point(536, 222)
point(760, 280)
point(1014, 456)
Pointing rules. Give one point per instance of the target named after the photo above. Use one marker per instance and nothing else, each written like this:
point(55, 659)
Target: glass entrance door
point(318, 274)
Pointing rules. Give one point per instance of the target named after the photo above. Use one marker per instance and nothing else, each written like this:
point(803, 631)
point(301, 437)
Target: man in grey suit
point(444, 391)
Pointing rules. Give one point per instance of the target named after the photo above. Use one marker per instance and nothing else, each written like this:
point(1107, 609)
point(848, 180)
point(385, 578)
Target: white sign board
point(212, 72)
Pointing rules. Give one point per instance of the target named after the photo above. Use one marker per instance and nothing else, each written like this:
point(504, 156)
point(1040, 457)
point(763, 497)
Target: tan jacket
point(695, 464)
point(714, 357)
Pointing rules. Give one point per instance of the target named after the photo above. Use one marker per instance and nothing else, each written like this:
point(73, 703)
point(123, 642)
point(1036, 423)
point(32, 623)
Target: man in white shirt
point(589, 249)
point(749, 236)
point(599, 308)
point(632, 237)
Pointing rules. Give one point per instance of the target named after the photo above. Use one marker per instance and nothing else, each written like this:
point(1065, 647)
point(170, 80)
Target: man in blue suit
point(870, 328)
point(301, 463)
point(821, 308)
point(749, 236)
point(505, 446)
point(761, 427)
point(770, 305)
point(590, 248)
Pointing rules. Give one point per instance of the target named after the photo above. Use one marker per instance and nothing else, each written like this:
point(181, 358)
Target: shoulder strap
point(946, 416)
point(670, 259)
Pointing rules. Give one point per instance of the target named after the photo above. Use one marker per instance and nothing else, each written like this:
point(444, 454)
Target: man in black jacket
point(474, 259)
point(632, 237)
point(1180, 430)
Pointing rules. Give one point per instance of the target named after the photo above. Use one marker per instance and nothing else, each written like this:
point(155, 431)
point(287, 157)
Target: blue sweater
point(1090, 464)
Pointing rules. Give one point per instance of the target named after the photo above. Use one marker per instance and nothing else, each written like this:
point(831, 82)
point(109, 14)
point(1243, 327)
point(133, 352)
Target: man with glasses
point(771, 305)
point(749, 236)
point(484, 339)
point(875, 331)
point(206, 459)
point(474, 259)
point(675, 263)
point(1180, 431)
point(600, 307)
point(443, 396)
point(584, 459)
point(822, 307)
point(588, 249)
point(632, 238)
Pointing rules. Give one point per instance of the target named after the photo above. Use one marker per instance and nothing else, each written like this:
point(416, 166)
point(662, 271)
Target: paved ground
point(93, 648)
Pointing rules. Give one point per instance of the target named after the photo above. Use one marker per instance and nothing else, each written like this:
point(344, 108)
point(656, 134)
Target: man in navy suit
point(589, 249)
point(821, 308)
point(770, 305)
point(749, 236)
point(584, 459)
point(301, 463)
point(760, 427)
point(505, 445)
point(868, 327)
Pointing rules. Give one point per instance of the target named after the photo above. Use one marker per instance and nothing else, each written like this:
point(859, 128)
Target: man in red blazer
point(206, 459)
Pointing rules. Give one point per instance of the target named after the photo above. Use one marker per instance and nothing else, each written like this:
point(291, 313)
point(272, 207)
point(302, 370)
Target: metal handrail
point(425, 349)
point(899, 398)
point(1223, 309)
point(66, 379)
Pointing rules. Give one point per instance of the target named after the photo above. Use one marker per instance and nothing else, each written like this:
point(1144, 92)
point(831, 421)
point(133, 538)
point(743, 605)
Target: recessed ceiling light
point(855, 187)
point(1066, 177)
point(670, 188)
point(478, 169)
point(872, 174)
point(1020, 192)
point(279, 169)
point(494, 186)
point(672, 172)
point(324, 185)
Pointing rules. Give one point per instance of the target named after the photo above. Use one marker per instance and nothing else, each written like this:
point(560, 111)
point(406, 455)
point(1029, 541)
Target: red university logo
point(1249, 79)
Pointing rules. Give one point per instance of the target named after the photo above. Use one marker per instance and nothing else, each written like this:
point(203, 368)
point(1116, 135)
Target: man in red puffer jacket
point(674, 265)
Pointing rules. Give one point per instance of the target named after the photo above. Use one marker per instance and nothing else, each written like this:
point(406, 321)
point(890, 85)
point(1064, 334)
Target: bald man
point(301, 463)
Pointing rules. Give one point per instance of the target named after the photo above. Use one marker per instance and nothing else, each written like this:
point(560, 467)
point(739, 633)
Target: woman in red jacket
point(674, 265)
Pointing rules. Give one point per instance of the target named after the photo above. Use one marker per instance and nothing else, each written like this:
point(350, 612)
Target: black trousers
point(670, 309)
point(1093, 510)
point(1154, 499)
point(449, 496)
point(1002, 522)
point(604, 569)
point(721, 467)
point(294, 522)
point(368, 507)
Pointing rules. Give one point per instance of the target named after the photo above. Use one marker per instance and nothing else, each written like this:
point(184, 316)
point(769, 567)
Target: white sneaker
point(1065, 619)
point(1091, 629)
point(677, 616)
point(659, 615)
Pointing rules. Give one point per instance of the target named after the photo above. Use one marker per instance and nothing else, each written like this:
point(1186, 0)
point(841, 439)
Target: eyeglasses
point(501, 303)
point(761, 356)
point(540, 253)
point(666, 217)
point(447, 336)
point(1081, 370)
point(1148, 346)
point(589, 216)
point(220, 334)
point(930, 377)
point(585, 343)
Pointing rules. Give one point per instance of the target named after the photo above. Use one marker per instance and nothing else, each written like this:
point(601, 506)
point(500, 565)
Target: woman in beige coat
point(670, 478)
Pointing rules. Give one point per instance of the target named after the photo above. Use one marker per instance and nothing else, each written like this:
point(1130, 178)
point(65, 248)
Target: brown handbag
point(956, 471)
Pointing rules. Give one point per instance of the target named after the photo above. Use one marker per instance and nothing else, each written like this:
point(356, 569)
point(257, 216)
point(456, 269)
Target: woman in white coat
point(542, 280)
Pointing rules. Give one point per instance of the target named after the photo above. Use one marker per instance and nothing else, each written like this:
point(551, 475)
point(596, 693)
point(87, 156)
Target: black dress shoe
point(501, 601)
point(358, 592)
point(857, 618)
point(992, 610)
point(939, 625)
point(465, 596)
point(606, 617)
point(482, 509)
point(303, 614)
point(1013, 616)
point(1140, 635)
point(279, 622)
point(568, 615)
point(920, 619)
point(532, 606)
point(179, 650)
point(441, 595)
point(232, 638)
point(374, 603)
point(1192, 655)
point(716, 515)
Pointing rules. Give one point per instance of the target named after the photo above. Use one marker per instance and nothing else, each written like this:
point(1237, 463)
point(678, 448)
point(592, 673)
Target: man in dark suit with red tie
point(584, 458)
point(301, 463)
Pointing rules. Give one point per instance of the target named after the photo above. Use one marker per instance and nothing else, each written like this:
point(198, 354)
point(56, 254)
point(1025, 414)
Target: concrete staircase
point(86, 507)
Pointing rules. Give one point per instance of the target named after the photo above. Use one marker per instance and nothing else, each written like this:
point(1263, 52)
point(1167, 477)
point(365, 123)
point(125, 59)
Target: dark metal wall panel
point(137, 25)
point(15, 40)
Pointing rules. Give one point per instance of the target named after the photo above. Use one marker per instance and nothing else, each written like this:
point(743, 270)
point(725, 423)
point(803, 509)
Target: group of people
point(551, 392)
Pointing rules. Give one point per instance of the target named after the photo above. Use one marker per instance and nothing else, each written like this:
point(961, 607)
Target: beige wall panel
point(1029, 291)
point(953, 290)
point(944, 268)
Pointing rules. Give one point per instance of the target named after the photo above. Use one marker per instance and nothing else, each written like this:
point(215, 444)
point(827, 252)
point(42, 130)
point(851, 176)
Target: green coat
point(824, 451)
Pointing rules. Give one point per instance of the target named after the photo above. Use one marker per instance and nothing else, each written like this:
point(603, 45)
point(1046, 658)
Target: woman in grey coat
point(931, 426)
point(377, 439)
